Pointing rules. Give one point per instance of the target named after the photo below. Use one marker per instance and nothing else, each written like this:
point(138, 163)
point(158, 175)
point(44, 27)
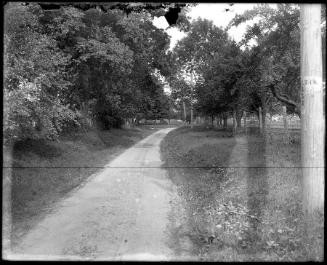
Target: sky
point(213, 11)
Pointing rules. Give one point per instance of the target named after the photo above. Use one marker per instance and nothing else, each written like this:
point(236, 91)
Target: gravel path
point(121, 213)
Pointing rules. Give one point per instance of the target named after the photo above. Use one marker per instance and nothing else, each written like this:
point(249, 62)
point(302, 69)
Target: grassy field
point(44, 171)
point(243, 200)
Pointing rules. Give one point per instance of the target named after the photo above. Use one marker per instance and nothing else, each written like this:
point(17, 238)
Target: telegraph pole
point(312, 116)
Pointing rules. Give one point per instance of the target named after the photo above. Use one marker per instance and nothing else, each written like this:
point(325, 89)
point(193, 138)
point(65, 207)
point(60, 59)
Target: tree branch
point(285, 99)
point(267, 100)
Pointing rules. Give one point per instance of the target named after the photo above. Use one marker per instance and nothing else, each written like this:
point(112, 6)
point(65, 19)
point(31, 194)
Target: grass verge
point(250, 208)
point(191, 154)
point(43, 172)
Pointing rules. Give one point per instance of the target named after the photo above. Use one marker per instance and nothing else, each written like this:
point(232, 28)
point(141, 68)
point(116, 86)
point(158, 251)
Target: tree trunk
point(184, 108)
point(260, 119)
point(270, 120)
point(244, 115)
point(206, 121)
point(192, 98)
point(234, 121)
point(286, 136)
point(312, 116)
point(239, 118)
point(218, 121)
point(225, 120)
point(84, 109)
point(264, 113)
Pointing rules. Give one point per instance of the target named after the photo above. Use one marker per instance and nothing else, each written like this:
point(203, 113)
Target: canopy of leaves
point(73, 60)
point(236, 77)
point(277, 66)
point(214, 59)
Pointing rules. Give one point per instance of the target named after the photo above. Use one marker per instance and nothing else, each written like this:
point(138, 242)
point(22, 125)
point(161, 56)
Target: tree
point(278, 47)
point(81, 60)
point(276, 63)
point(35, 77)
point(214, 59)
point(180, 93)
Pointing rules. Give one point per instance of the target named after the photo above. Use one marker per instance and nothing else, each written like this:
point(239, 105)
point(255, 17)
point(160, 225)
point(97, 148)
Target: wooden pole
point(312, 116)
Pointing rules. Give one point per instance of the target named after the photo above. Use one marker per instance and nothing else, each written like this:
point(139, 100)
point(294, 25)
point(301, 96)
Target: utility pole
point(312, 116)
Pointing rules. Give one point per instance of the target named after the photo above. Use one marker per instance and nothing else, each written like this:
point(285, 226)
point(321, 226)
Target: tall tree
point(278, 46)
point(208, 52)
point(81, 59)
point(35, 77)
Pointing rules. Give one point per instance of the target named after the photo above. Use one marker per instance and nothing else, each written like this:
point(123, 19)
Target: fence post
point(260, 119)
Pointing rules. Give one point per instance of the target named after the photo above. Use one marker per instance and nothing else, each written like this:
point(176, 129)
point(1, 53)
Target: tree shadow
point(39, 147)
point(257, 189)
point(196, 161)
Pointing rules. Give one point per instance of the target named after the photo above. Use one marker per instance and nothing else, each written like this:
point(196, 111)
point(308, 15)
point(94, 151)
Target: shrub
point(31, 114)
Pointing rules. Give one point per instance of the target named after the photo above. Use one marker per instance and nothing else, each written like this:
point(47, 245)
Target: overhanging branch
point(285, 99)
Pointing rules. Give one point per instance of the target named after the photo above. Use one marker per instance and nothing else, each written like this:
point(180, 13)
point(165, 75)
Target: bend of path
point(121, 213)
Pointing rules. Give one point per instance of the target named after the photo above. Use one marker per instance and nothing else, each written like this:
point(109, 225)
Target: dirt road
point(121, 213)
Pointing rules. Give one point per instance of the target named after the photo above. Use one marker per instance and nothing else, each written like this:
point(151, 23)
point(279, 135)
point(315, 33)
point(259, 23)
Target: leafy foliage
point(214, 59)
point(278, 51)
point(72, 62)
point(35, 78)
point(235, 77)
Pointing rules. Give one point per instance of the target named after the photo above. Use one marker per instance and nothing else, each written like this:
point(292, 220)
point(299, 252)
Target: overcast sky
point(215, 12)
